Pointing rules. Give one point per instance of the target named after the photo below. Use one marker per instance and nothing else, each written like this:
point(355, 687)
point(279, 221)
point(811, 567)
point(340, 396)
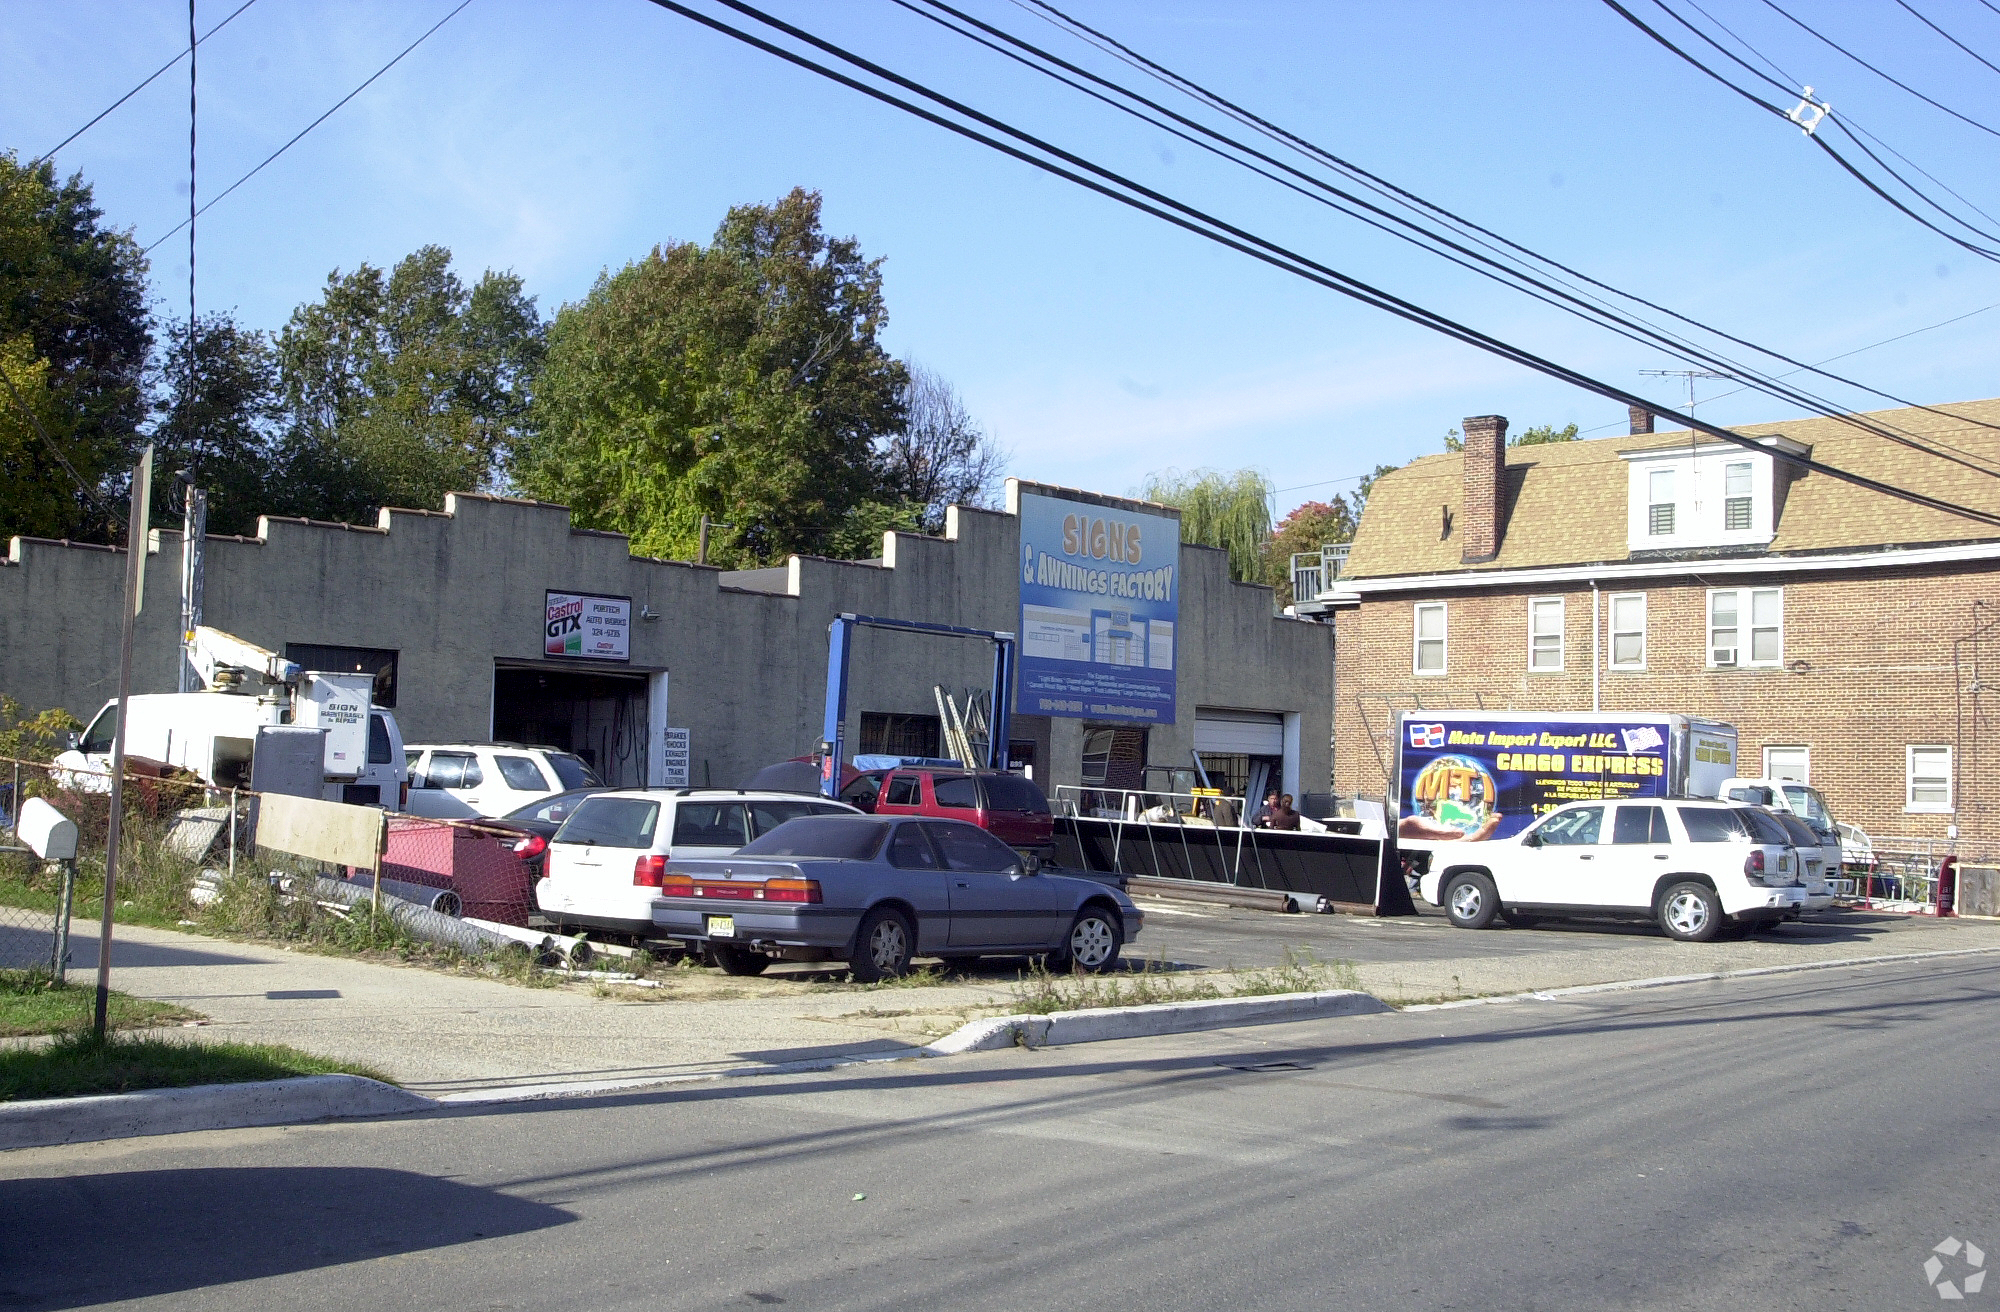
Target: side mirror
point(70, 741)
point(1031, 863)
point(1532, 840)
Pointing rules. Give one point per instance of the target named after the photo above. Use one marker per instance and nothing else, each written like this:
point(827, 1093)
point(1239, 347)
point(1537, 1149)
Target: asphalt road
point(1797, 1141)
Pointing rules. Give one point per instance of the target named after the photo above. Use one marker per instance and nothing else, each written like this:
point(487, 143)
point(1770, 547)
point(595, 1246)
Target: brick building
point(1846, 634)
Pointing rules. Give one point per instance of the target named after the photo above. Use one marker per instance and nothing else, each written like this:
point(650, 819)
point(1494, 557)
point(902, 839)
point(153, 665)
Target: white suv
point(606, 863)
point(453, 781)
point(1697, 868)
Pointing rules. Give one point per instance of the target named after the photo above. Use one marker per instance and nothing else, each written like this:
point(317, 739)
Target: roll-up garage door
point(1251, 733)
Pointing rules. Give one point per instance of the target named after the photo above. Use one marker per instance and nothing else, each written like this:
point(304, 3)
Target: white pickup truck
point(1698, 869)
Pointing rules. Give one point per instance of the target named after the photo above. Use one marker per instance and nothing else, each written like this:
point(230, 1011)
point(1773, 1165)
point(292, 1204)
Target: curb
point(1666, 981)
point(1063, 1027)
point(46, 1122)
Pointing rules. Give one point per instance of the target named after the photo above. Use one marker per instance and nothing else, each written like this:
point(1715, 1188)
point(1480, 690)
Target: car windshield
point(549, 808)
point(573, 772)
point(1010, 792)
point(846, 837)
point(612, 822)
point(1809, 805)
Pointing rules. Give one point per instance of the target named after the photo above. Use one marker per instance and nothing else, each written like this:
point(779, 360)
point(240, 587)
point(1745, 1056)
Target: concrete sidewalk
point(439, 1033)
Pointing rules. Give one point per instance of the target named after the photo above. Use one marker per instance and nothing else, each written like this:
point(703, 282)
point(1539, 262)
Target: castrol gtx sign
point(594, 628)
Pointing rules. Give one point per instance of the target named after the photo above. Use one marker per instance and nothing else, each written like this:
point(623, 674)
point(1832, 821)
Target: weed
point(1040, 992)
point(79, 1062)
point(31, 1002)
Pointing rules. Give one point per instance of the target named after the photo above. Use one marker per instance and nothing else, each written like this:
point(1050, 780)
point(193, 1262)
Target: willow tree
point(1227, 510)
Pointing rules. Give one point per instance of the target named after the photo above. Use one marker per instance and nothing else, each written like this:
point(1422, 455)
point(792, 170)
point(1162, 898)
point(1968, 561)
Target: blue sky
point(1099, 345)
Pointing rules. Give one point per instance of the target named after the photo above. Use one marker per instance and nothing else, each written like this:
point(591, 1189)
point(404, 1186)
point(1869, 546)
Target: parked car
point(1698, 869)
point(451, 781)
point(874, 891)
point(537, 822)
point(1011, 807)
point(604, 866)
point(1819, 860)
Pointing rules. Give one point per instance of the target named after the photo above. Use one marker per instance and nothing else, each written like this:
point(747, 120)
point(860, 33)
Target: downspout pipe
point(1596, 656)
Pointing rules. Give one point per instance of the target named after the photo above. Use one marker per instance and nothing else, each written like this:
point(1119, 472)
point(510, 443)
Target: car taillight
point(672, 885)
point(790, 890)
point(647, 872)
point(1753, 866)
point(530, 847)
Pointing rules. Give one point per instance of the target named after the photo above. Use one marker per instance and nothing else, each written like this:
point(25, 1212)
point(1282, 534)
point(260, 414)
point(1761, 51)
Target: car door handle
point(1581, 856)
point(959, 883)
point(1657, 856)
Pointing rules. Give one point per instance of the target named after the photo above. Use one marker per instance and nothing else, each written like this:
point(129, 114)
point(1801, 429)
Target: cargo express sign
point(1100, 592)
point(594, 628)
point(1462, 773)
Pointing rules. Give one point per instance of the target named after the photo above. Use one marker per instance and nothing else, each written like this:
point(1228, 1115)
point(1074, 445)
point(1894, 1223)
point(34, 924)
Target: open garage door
point(600, 717)
point(1243, 751)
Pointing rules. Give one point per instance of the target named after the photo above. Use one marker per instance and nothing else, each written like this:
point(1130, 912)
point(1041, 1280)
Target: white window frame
point(1803, 750)
point(1654, 477)
point(1417, 640)
point(1748, 497)
point(1562, 619)
point(1611, 652)
point(1911, 806)
point(1745, 629)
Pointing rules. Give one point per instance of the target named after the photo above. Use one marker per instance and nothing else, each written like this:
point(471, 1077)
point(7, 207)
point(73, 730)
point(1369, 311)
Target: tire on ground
point(738, 961)
point(1470, 900)
point(883, 946)
point(1690, 912)
point(1091, 945)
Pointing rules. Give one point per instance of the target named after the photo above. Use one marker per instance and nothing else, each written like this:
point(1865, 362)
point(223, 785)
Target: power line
point(1598, 313)
point(310, 126)
point(1895, 81)
point(1146, 200)
point(1948, 36)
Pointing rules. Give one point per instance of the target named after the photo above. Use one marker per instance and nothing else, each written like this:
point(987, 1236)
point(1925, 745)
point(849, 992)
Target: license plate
point(722, 927)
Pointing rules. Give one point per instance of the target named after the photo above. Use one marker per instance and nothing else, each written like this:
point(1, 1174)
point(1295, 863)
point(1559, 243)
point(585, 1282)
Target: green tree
point(399, 388)
point(220, 425)
point(74, 338)
point(1540, 435)
point(743, 380)
point(1308, 528)
point(1358, 498)
point(1227, 510)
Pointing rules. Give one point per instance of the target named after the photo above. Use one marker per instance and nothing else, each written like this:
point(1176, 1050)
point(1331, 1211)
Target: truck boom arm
point(223, 660)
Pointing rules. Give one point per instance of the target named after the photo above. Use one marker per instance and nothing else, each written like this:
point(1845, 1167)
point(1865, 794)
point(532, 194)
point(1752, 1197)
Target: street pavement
point(1795, 1141)
point(440, 1033)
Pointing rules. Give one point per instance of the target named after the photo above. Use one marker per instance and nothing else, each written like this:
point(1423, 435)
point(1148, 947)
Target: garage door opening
point(1242, 751)
point(600, 717)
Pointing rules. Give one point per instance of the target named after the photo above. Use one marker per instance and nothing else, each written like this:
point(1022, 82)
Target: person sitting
point(1283, 816)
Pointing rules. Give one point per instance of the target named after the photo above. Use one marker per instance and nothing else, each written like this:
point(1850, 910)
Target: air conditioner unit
point(1722, 656)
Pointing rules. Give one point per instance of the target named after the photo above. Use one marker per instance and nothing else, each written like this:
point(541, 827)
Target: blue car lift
point(840, 647)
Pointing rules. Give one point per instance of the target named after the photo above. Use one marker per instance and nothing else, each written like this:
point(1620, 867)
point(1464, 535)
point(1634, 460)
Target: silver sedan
point(875, 891)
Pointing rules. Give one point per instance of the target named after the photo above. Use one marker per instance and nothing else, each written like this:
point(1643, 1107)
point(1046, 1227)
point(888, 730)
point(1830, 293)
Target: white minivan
point(606, 863)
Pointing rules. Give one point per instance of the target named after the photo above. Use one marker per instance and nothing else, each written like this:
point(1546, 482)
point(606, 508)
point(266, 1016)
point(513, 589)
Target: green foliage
point(1308, 528)
point(222, 430)
point(1359, 497)
point(74, 339)
point(33, 737)
point(1227, 510)
point(742, 380)
point(1540, 435)
point(399, 388)
point(32, 1002)
point(80, 1063)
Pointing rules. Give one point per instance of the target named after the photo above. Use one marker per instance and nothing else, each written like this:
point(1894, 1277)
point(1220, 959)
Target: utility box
point(337, 703)
point(289, 759)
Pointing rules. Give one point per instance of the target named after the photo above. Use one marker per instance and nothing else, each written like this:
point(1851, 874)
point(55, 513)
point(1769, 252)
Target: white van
point(606, 862)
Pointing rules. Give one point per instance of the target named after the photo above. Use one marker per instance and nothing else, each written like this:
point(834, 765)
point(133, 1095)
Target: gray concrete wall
point(454, 592)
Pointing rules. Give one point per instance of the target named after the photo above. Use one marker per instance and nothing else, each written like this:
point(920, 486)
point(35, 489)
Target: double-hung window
point(1660, 503)
point(1927, 780)
point(1430, 654)
point(1628, 631)
point(1545, 633)
point(1736, 497)
point(1746, 626)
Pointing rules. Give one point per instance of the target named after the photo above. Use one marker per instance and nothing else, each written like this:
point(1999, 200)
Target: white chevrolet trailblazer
point(1697, 868)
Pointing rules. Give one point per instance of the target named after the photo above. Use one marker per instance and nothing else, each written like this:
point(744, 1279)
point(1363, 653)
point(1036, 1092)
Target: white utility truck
point(262, 723)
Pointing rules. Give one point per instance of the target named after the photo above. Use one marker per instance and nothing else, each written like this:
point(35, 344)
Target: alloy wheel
point(1465, 900)
point(887, 945)
point(1687, 913)
point(1091, 942)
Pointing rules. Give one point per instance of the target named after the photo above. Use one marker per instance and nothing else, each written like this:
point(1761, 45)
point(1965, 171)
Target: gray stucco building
point(452, 611)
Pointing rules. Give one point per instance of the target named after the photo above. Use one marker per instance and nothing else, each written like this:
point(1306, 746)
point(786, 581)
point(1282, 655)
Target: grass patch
point(1039, 992)
point(79, 1063)
point(33, 1003)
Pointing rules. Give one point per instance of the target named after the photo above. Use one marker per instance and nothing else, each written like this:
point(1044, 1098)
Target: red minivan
point(1009, 806)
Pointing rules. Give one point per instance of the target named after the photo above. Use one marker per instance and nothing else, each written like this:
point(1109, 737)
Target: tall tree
point(1539, 435)
point(74, 339)
point(743, 380)
point(1227, 510)
point(941, 457)
point(1309, 527)
point(217, 409)
point(402, 387)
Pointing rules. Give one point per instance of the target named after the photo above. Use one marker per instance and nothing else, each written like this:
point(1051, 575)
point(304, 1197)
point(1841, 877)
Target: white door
point(1563, 870)
point(593, 860)
point(1639, 852)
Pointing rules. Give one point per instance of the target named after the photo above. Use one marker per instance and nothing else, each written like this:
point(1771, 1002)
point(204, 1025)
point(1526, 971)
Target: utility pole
point(194, 542)
point(702, 557)
point(135, 599)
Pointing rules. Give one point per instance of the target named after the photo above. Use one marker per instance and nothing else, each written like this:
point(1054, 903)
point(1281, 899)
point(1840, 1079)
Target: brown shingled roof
point(1566, 500)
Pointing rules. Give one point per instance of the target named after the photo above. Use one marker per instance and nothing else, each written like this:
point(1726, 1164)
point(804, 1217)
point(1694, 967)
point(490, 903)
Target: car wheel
point(882, 946)
point(1091, 945)
point(1518, 920)
point(738, 961)
point(1470, 900)
point(1691, 912)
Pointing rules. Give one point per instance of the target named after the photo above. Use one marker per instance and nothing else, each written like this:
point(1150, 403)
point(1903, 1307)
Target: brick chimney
point(1642, 419)
point(1485, 482)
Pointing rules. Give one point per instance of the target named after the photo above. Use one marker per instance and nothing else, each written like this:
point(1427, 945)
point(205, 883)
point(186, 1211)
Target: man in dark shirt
point(1262, 819)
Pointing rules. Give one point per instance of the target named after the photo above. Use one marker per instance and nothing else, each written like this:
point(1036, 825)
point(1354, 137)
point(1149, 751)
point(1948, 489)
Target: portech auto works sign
point(594, 628)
